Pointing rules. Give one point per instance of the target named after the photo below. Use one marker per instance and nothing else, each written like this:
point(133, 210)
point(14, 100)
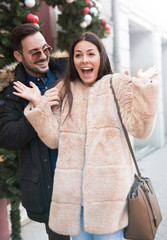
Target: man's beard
point(33, 70)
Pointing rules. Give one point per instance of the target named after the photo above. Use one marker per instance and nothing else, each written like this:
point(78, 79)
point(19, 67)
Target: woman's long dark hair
point(72, 74)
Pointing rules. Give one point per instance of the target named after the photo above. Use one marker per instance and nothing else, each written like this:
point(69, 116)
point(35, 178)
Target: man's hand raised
point(54, 96)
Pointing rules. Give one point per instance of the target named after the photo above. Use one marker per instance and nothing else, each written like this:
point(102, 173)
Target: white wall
point(106, 13)
point(140, 32)
point(164, 74)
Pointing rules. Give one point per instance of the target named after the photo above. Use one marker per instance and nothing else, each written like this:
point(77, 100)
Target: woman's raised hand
point(32, 94)
point(149, 73)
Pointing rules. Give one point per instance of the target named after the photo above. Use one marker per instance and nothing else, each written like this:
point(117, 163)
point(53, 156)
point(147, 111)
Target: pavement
point(153, 166)
point(34, 231)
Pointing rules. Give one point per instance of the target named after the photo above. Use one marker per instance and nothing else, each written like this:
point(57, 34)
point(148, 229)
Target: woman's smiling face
point(87, 61)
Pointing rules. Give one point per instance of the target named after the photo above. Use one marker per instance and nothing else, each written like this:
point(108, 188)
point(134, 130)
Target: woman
point(94, 170)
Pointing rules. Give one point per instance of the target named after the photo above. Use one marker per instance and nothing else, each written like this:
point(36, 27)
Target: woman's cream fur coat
point(94, 166)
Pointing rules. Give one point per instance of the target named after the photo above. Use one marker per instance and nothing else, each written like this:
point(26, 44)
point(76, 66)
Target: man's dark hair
point(19, 33)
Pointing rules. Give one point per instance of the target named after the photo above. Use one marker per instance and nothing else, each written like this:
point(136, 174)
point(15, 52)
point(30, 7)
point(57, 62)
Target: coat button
point(45, 160)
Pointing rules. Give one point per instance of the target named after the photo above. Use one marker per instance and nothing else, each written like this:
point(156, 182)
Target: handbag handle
point(125, 131)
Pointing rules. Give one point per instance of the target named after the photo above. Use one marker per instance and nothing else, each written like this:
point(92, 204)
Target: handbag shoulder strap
point(125, 131)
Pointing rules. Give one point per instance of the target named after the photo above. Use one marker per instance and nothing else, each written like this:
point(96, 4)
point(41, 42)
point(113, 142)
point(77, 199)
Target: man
point(36, 161)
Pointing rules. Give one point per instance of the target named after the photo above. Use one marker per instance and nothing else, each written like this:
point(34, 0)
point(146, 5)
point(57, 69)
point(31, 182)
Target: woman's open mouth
point(87, 71)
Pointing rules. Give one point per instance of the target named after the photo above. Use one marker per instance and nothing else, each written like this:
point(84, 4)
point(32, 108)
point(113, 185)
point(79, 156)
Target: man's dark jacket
point(16, 133)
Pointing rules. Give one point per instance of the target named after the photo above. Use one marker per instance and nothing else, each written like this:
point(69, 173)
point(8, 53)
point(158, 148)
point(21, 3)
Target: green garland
point(72, 20)
point(12, 14)
point(10, 188)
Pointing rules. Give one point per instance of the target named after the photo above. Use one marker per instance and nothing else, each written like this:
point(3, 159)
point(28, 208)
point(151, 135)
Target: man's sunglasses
point(37, 54)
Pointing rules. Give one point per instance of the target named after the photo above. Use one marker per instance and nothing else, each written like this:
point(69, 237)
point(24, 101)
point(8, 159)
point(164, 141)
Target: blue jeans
point(83, 235)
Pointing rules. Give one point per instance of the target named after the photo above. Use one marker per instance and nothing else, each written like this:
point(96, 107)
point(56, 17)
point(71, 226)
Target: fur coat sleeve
point(138, 104)
point(45, 121)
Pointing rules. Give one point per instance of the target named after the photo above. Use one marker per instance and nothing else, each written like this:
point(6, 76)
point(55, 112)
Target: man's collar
point(32, 78)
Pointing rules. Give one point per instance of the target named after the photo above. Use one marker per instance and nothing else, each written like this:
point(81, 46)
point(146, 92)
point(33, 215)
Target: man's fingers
point(54, 98)
point(54, 103)
point(52, 94)
point(54, 89)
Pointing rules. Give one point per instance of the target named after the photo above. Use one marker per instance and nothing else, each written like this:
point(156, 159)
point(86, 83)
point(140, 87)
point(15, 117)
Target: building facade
point(139, 40)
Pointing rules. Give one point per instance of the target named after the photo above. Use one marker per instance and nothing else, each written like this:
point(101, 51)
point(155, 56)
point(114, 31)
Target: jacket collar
point(8, 73)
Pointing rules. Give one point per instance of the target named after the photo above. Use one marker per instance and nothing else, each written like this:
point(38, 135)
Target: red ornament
point(107, 28)
point(103, 22)
point(36, 19)
point(89, 3)
point(30, 18)
point(86, 10)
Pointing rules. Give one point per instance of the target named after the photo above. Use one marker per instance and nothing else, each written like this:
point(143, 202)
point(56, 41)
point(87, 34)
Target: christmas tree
point(78, 16)
point(12, 14)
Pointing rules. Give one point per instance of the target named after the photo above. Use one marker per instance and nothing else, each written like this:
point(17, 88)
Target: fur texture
point(7, 75)
point(94, 166)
